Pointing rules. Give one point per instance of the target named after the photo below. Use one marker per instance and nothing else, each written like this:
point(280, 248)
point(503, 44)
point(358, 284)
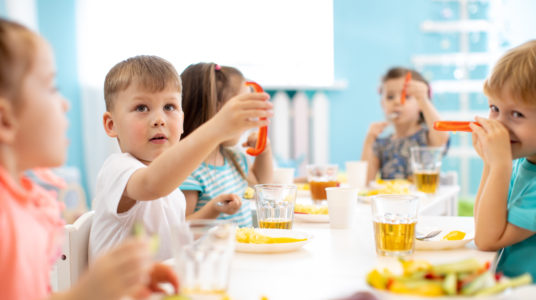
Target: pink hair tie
point(217, 67)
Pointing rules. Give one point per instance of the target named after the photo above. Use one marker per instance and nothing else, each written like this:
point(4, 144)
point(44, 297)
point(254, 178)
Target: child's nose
point(159, 121)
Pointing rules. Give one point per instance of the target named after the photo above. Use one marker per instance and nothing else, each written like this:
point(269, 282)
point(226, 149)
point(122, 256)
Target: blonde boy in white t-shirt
point(143, 103)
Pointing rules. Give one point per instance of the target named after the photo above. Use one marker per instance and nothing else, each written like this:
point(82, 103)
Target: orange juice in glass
point(426, 164)
point(275, 205)
point(321, 177)
point(394, 220)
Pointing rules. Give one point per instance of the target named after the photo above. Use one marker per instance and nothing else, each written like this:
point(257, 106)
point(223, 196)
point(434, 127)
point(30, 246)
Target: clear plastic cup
point(394, 218)
point(275, 205)
point(426, 165)
point(203, 253)
point(321, 177)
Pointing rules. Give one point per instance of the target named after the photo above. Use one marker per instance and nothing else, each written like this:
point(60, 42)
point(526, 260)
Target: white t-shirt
point(110, 228)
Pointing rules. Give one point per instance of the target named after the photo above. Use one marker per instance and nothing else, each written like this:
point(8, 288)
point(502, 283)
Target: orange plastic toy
point(263, 131)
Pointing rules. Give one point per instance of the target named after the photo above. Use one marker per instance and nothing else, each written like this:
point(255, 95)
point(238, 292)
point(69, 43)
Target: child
point(207, 89)
point(144, 113)
point(411, 121)
point(505, 205)
point(33, 128)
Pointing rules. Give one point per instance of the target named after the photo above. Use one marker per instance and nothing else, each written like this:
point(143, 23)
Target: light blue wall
point(57, 23)
point(2, 8)
point(370, 37)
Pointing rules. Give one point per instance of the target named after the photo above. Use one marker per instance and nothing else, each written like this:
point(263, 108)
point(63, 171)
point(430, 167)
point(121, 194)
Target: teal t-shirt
point(521, 257)
point(211, 181)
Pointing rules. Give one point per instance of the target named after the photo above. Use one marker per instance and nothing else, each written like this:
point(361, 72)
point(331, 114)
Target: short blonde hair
point(517, 69)
point(152, 73)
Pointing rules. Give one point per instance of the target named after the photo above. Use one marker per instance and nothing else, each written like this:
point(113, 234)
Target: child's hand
point(160, 273)
point(241, 113)
point(227, 203)
point(492, 141)
point(122, 271)
point(417, 89)
point(252, 141)
point(376, 129)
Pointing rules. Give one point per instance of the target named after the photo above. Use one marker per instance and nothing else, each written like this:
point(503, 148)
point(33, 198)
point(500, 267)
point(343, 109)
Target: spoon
point(392, 116)
point(429, 235)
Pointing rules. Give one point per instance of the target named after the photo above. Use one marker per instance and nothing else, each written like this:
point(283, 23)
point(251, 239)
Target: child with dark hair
point(224, 174)
point(412, 121)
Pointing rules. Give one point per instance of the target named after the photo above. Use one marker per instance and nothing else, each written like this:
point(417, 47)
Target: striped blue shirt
point(211, 181)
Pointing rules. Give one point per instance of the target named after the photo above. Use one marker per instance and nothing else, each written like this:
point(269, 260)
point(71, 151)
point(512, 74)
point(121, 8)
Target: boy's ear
point(109, 125)
point(8, 124)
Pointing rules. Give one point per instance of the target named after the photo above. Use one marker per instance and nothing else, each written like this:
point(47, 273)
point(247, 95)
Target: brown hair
point(399, 72)
point(152, 73)
point(207, 86)
point(17, 49)
point(517, 68)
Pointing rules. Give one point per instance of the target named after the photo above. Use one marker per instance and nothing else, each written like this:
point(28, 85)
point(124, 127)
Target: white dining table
point(335, 262)
point(332, 265)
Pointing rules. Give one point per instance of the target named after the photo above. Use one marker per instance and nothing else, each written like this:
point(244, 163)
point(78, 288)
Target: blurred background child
point(412, 123)
point(217, 185)
point(505, 206)
point(33, 127)
point(141, 184)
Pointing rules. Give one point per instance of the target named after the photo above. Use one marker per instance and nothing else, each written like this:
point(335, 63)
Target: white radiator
point(299, 131)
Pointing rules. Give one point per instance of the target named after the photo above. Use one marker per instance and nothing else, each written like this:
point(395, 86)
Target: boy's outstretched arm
point(172, 167)
point(492, 230)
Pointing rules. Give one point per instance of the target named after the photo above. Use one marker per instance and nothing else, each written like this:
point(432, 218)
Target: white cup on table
point(283, 176)
point(356, 172)
point(342, 203)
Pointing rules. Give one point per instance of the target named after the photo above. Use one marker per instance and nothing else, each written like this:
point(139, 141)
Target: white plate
point(311, 218)
point(437, 242)
point(275, 248)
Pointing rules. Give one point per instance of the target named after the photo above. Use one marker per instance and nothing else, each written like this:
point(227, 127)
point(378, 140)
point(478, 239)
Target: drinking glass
point(203, 253)
point(320, 177)
point(275, 205)
point(394, 218)
point(426, 164)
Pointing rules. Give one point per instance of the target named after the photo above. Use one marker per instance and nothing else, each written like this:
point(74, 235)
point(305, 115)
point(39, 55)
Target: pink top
point(30, 238)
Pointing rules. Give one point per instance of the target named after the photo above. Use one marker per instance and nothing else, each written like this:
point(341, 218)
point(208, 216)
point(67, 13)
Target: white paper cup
point(283, 176)
point(356, 172)
point(341, 206)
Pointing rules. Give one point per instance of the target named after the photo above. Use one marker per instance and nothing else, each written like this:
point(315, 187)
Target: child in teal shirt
point(505, 206)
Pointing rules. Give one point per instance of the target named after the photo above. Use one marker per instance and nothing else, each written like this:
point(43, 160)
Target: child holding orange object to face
point(405, 101)
point(505, 205)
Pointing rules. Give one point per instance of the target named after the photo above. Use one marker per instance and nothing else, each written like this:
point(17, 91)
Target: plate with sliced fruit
point(256, 240)
point(445, 241)
point(463, 279)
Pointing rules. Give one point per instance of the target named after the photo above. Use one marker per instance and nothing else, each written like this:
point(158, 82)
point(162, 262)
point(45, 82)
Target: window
point(278, 43)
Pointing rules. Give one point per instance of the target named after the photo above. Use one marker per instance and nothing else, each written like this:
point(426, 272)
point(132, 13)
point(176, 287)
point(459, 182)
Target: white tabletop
point(334, 264)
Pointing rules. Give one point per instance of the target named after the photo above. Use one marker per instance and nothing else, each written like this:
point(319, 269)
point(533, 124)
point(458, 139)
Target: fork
point(429, 235)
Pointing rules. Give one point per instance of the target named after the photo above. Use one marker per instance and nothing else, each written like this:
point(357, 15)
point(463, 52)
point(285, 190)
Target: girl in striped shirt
point(214, 189)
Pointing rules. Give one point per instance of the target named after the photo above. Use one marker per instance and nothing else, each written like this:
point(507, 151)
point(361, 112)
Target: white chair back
point(74, 258)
